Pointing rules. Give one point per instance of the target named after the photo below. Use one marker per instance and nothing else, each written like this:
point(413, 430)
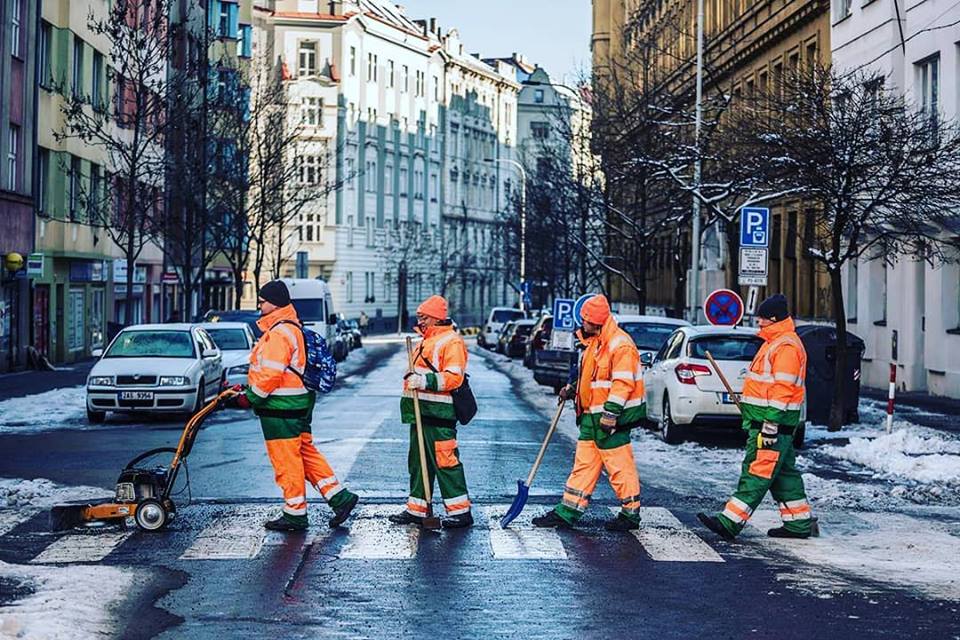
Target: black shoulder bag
point(464, 403)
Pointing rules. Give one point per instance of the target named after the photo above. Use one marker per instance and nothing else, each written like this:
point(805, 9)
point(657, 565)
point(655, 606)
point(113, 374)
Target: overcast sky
point(552, 33)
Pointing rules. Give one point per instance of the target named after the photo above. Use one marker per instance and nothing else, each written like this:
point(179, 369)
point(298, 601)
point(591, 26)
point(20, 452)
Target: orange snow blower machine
point(144, 494)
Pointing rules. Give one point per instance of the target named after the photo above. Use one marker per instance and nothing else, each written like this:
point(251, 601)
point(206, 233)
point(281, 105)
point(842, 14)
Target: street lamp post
point(523, 222)
point(697, 176)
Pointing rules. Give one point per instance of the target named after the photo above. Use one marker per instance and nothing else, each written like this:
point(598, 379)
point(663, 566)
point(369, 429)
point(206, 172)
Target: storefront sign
point(35, 264)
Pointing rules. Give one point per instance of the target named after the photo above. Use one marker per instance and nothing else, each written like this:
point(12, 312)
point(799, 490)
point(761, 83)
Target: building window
point(370, 294)
point(93, 198)
point(74, 187)
point(349, 286)
point(420, 82)
point(229, 19)
point(540, 130)
point(311, 111)
point(350, 173)
point(96, 90)
point(246, 41)
point(403, 181)
point(434, 190)
point(44, 179)
point(77, 67)
point(852, 280)
point(16, 15)
point(405, 79)
point(371, 67)
point(843, 8)
point(388, 180)
point(369, 227)
point(349, 231)
point(538, 96)
point(13, 158)
point(43, 56)
point(309, 170)
point(436, 89)
point(929, 86)
point(370, 179)
point(390, 74)
point(307, 59)
point(387, 286)
point(353, 61)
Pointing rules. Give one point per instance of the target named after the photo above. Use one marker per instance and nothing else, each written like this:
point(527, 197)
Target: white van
point(498, 317)
point(314, 304)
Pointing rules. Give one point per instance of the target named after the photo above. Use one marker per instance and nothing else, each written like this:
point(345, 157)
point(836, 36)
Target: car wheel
point(799, 435)
point(96, 417)
point(670, 431)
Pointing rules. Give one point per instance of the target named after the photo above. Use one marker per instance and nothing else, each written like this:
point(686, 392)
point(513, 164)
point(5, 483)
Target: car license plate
point(136, 395)
point(730, 399)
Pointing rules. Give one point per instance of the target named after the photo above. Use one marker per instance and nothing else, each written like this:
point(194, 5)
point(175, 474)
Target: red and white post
point(890, 395)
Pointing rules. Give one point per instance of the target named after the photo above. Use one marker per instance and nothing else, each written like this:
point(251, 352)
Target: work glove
point(608, 422)
point(567, 392)
point(240, 400)
point(767, 438)
point(416, 381)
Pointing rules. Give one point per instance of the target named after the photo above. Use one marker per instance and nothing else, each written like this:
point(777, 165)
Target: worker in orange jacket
point(610, 401)
point(285, 408)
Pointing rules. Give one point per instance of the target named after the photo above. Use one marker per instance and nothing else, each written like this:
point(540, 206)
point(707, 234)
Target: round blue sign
point(723, 308)
point(578, 305)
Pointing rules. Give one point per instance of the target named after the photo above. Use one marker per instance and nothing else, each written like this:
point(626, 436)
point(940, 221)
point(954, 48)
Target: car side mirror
point(646, 359)
point(96, 353)
point(211, 353)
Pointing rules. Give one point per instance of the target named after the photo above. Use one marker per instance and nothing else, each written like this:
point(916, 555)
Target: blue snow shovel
point(523, 488)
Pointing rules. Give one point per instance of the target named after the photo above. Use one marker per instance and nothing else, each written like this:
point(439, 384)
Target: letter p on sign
point(754, 227)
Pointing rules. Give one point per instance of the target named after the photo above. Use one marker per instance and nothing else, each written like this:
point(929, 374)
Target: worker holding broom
point(609, 398)
point(772, 398)
point(284, 405)
point(438, 367)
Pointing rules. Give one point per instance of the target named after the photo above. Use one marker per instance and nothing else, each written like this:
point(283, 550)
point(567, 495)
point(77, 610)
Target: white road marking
point(666, 539)
point(233, 535)
point(373, 537)
point(82, 547)
point(521, 541)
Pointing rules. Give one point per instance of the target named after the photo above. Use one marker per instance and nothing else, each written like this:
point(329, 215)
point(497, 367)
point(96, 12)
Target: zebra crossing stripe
point(666, 539)
point(232, 535)
point(88, 547)
point(373, 537)
point(521, 541)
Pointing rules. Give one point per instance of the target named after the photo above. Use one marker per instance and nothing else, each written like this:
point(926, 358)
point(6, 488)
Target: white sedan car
point(155, 368)
point(682, 389)
point(649, 333)
point(235, 340)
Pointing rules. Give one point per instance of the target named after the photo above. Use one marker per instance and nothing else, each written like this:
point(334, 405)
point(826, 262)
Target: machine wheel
point(96, 417)
point(799, 435)
point(150, 515)
point(670, 431)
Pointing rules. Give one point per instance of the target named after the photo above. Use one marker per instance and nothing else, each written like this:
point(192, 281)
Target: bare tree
point(405, 252)
point(880, 172)
point(126, 201)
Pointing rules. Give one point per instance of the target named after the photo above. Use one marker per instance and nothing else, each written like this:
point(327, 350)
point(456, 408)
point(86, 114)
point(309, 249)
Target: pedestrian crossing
point(235, 533)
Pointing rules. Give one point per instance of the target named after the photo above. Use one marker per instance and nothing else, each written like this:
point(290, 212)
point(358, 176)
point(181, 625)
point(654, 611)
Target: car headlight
point(240, 369)
point(173, 381)
point(100, 381)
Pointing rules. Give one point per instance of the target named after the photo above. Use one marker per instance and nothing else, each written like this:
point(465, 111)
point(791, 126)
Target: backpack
point(320, 372)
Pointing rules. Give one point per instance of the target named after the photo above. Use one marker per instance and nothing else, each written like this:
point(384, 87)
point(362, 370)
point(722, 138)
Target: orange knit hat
point(596, 310)
point(434, 306)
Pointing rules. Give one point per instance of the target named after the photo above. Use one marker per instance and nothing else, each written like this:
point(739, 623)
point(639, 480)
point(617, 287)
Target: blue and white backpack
point(320, 372)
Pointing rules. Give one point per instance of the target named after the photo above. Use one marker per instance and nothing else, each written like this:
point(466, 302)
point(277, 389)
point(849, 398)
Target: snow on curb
point(60, 602)
point(53, 409)
point(910, 453)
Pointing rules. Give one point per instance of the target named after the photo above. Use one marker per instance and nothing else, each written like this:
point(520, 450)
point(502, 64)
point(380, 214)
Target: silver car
point(235, 340)
point(154, 368)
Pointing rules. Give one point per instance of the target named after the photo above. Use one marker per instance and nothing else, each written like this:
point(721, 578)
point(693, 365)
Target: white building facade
point(908, 313)
point(375, 95)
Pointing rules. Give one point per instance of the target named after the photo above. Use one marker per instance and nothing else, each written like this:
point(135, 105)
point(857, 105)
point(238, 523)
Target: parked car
point(515, 341)
point(649, 332)
point(500, 346)
point(247, 317)
point(682, 390)
point(155, 368)
point(499, 316)
point(350, 331)
point(539, 339)
point(235, 340)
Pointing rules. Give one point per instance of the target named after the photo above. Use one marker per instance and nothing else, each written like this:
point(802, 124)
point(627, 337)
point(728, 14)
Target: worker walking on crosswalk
point(773, 396)
point(610, 401)
point(439, 367)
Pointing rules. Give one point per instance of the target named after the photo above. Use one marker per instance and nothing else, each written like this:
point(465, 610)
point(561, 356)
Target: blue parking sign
point(754, 227)
point(578, 305)
point(563, 314)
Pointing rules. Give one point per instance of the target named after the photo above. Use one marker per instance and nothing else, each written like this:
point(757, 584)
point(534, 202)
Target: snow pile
point(59, 604)
point(40, 493)
point(49, 410)
point(910, 452)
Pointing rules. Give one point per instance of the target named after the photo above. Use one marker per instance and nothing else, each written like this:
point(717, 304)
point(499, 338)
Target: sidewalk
point(921, 408)
point(25, 383)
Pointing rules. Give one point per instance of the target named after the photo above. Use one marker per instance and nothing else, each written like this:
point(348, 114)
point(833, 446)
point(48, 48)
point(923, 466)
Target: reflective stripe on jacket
point(272, 385)
point(610, 378)
point(774, 388)
point(443, 347)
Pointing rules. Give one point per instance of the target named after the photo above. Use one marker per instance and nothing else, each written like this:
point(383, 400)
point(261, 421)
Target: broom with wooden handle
point(429, 521)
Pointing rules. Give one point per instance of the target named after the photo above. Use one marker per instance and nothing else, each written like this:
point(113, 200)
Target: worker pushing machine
point(609, 398)
point(773, 395)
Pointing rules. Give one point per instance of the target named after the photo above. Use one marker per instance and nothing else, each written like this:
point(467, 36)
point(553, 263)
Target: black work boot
point(405, 517)
point(621, 523)
point(340, 515)
point(714, 524)
point(783, 532)
point(550, 520)
point(284, 523)
point(458, 521)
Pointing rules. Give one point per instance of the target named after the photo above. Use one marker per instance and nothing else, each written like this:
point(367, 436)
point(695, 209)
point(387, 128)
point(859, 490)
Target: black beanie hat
point(774, 308)
point(275, 292)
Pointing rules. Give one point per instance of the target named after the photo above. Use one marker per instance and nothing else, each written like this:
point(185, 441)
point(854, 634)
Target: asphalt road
point(214, 573)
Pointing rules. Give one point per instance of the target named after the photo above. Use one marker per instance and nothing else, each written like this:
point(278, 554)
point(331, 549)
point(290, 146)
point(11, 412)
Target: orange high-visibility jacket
point(774, 388)
point(610, 378)
point(443, 347)
point(277, 357)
